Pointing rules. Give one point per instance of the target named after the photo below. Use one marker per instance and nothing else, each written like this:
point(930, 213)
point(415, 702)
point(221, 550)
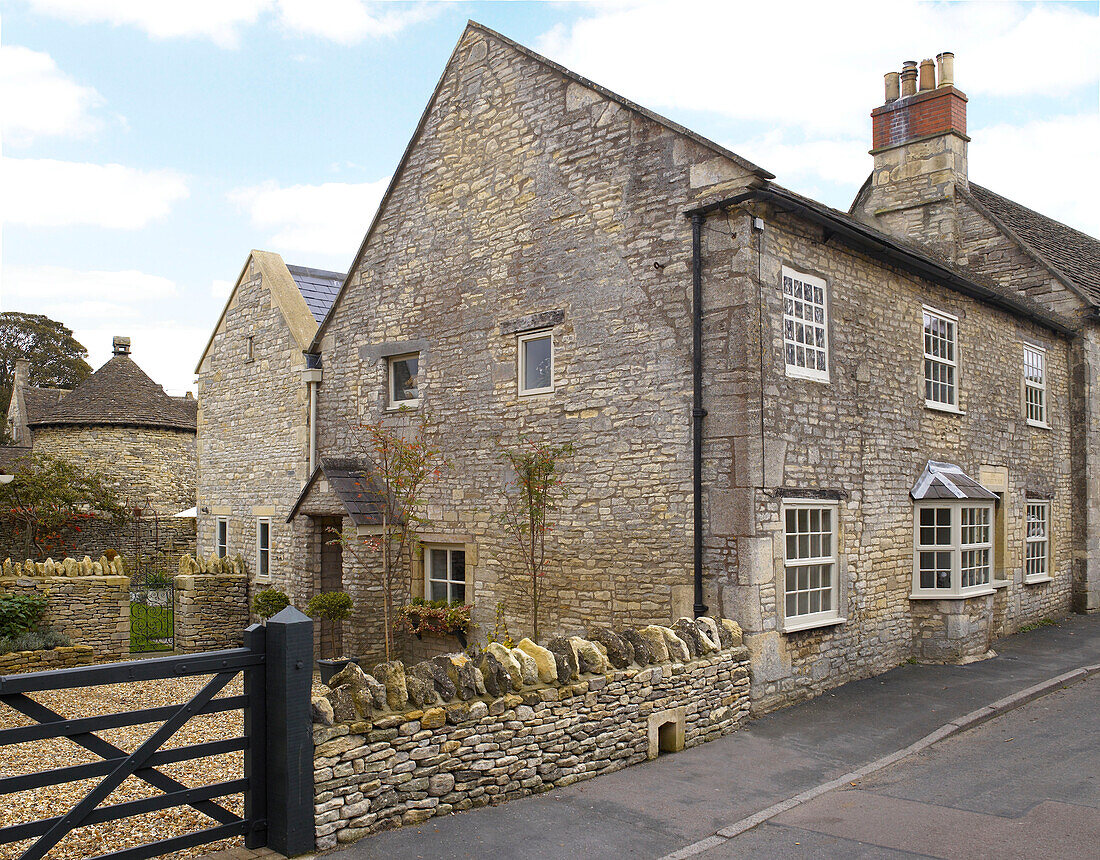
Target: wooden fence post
point(290, 817)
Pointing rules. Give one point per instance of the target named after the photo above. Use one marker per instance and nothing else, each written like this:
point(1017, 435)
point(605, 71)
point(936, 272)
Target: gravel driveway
point(60, 752)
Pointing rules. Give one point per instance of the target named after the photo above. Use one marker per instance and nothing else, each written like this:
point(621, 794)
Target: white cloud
point(217, 20)
point(40, 192)
point(1013, 160)
point(328, 219)
point(73, 293)
point(350, 21)
point(747, 62)
point(221, 21)
point(39, 100)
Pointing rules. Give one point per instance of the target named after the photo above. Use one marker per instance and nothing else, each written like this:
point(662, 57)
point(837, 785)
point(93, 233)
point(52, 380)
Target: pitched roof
point(759, 172)
point(948, 481)
point(10, 455)
point(38, 401)
point(353, 483)
point(318, 287)
point(905, 255)
point(1070, 254)
point(120, 393)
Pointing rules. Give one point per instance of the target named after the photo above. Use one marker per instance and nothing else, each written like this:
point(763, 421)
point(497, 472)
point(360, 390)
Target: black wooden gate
point(277, 662)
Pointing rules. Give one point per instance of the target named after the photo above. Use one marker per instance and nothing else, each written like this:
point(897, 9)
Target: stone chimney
point(121, 345)
point(22, 374)
point(919, 145)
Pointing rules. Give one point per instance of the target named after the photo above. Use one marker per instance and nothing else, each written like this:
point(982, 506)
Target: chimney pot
point(946, 64)
point(927, 75)
point(893, 86)
point(909, 78)
point(121, 345)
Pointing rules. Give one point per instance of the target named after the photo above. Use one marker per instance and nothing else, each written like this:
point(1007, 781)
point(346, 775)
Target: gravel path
point(61, 752)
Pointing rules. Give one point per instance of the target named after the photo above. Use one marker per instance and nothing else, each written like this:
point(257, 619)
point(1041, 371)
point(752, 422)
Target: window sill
point(999, 584)
point(1039, 580)
point(536, 392)
point(407, 404)
point(796, 626)
point(985, 592)
point(808, 377)
point(943, 407)
point(1039, 425)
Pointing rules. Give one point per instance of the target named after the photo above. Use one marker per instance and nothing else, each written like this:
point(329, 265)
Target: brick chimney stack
point(932, 109)
point(919, 146)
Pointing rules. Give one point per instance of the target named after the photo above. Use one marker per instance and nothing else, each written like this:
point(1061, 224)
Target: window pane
point(458, 566)
point(458, 592)
point(438, 567)
point(537, 363)
point(438, 590)
point(403, 378)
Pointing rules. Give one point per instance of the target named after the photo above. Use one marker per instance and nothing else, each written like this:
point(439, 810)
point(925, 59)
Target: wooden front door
point(332, 579)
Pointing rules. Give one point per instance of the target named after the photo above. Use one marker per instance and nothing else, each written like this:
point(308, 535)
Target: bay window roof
point(948, 481)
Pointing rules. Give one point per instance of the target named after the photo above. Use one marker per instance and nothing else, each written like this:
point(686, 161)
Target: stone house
point(919, 190)
point(254, 388)
point(862, 451)
point(862, 448)
point(122, 424)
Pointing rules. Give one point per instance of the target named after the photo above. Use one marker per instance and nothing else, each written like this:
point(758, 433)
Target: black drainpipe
point(698, 413)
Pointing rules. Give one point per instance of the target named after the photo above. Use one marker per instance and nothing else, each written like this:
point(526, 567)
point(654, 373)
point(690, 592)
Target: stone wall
point(952, 631)
point(88, 601)
point(65, 657)
point(861, 440)
point(595, 194)
point(139, 463)
point(253, 424)
point(212, 604)
point(408, 743)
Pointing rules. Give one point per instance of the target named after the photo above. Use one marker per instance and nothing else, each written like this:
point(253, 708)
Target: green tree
point(529, 501)
point(50, 497)
point(57, 359)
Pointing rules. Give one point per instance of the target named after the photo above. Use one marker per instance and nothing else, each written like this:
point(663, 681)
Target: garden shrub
point(34, 640)
point(269, 601)
point(20, 613)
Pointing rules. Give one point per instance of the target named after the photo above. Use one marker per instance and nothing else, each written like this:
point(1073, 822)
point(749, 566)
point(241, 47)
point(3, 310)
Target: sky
point(148, 145)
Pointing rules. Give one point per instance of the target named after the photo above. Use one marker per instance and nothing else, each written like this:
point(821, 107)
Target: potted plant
point(334, 607)
point(436, 617)
point(268, 602)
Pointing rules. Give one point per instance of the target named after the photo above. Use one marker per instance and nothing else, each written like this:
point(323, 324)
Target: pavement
point(784, 772)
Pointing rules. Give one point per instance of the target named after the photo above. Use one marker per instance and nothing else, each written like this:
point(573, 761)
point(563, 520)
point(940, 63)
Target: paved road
point(659, 807)
point(1025, 784)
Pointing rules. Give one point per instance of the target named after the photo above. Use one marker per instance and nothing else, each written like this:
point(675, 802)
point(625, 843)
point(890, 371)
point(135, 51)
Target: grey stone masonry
point(527, 720)
point(65, 657)
point(211, 604)
point(86, 604)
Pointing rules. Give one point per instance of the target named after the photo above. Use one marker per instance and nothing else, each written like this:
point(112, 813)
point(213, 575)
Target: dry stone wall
point(88, 601)
point(65, 657)
point(405, 743)
point(211, 604)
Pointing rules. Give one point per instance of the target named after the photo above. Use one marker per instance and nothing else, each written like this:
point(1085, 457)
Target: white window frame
point(953, 363)
point(1035, 357)
point(794, 370)
point(221, 547)
point(391, 396)
point(261, 573)
point(955, 590)
point(1037, 540)
point(822, 618)
point(521, 362)
point(450, 549)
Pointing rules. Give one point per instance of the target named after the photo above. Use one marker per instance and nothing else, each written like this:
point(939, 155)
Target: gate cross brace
point(131, 765)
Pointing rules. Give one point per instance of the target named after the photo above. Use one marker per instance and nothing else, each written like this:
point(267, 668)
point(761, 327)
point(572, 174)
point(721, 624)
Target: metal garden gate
point(277, 663)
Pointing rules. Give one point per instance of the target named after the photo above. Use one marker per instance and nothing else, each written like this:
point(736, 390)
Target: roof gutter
point(882, 248)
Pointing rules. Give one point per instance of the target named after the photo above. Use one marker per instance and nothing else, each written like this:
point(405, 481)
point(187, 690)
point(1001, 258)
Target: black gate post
point(289, 733)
